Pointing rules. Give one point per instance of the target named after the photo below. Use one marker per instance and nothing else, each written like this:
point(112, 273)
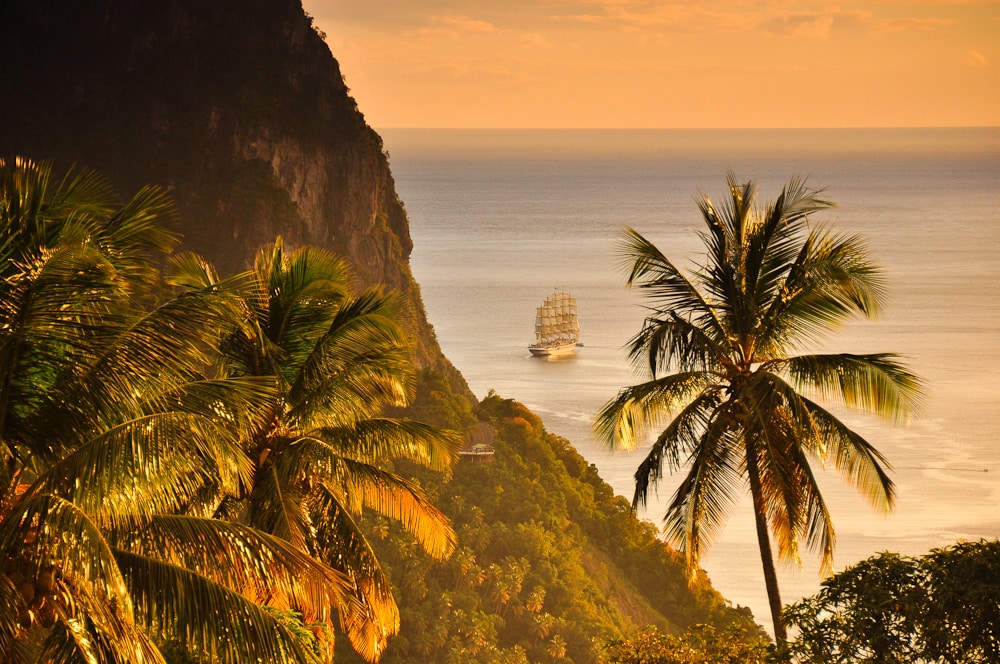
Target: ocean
point(501, 218)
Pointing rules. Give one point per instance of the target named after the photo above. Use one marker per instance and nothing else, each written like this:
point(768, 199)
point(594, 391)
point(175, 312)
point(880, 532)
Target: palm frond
point(171, 343)
point(793, 426)
point(70, 642)
point(294, 295)
point(11, 605)
point(832, 280)
point(64, 533)
point(399, 499)
point(877, 383)
point(673, 343)
point(641, 407)
point(80, 191)
point(850, 274)
point(706, 495)
point(776, 245)
point(675, 444)
point(139, 229)
point(362, 360)
point(277, 504)
point(719, 279)
point(781, 226)
point(33, 209)
point(191, 271)
point(382, 439)
point(770, 438)
point(80, 211)
point(795, 508)
point(54, 313)
point(821, 536)
point(208, 617)
point(241, 404)
point(144, 466)
point(93, 629)
point(258, 565)
point(359, 485)
point(857, 460)
point(341, 544)
point(664, 285)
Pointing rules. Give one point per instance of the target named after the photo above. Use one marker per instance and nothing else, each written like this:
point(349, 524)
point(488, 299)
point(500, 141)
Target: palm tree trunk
point(766, 557)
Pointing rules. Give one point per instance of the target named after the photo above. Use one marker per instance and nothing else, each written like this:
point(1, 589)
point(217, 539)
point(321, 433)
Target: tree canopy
point(940, 607)
point(550, 563)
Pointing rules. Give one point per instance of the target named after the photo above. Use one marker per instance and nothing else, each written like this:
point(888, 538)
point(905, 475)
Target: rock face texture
point(235, 106)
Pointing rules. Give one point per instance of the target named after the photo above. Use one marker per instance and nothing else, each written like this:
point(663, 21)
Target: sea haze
point(501, 218)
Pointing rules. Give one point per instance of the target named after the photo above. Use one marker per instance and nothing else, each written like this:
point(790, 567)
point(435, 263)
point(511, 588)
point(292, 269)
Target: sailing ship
point(557, 328)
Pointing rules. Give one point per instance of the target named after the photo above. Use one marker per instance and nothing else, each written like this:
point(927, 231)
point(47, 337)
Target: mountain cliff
point(235, 106)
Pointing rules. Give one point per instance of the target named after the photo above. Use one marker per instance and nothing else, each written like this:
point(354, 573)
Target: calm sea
point(500, 218)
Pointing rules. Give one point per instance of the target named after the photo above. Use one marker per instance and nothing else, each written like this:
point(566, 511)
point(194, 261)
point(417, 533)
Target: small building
point(480, 453)
point(477, 445)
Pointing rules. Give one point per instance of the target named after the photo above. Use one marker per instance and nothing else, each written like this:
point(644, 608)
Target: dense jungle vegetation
point(550, 566)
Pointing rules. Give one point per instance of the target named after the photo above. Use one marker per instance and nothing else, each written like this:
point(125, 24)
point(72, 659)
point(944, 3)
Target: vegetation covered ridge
point(550, 566)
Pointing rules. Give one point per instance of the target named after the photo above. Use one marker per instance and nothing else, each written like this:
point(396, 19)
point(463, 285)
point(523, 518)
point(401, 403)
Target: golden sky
point(681, 64)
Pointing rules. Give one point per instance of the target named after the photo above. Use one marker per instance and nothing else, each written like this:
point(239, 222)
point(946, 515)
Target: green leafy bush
point(941, 607)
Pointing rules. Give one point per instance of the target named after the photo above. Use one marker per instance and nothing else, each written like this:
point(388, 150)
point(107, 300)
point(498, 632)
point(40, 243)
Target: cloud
point(470, 70)
point(805, 18)
point(455, 27)
point(815, 24)
point(976, 59)
point(467, 24)
point(908, 24)
point(800, 25)
point(675, 17)
point(535, 40)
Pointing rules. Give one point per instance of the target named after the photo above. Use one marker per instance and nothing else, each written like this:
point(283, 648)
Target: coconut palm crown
point(109, 426)
point(325, 456)
point(727, 390)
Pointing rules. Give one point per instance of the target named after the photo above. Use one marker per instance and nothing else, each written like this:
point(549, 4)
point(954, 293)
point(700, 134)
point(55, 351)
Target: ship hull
point(553, 350)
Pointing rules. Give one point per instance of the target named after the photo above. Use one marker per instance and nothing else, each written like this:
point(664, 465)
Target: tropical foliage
point(940, 607)
point(139, 455)
point(550, 562)
point(723, 386)
point(320, 459)
point(109, 425)
point(700, 644)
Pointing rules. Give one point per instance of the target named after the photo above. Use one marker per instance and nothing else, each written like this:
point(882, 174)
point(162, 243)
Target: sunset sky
point(688, 63)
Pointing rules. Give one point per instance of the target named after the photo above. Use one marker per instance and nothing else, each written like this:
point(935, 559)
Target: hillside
point(550, 561)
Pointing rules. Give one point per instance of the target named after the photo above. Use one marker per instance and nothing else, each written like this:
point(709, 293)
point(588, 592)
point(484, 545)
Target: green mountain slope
point(551, 563)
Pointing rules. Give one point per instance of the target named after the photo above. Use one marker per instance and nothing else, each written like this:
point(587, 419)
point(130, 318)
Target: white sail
point(557, 327)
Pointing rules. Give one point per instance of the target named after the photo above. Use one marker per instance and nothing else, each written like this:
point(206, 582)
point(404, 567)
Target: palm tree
point(108, 426)
point(324, 454)
point(729, 397)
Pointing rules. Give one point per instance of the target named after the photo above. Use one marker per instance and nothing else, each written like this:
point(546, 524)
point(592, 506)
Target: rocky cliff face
point(237, 106)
